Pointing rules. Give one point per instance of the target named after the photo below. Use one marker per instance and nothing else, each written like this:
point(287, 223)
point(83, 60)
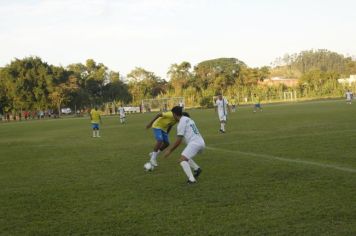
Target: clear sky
point(153, 34)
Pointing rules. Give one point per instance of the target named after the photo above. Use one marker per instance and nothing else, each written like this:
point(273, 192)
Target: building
point(347, 81)
point(275, 81)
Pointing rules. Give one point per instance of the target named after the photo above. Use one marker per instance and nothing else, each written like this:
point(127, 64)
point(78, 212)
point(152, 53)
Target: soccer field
point(289, 170)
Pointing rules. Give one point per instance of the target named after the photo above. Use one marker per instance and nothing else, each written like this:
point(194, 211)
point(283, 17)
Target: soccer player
point(233, 104)
point(221, 106)
point(95, 120)
point(161, 124)
point(121, 111)
point(187, 130)
point(349, 97)
point(257, 102)
point(181, 104)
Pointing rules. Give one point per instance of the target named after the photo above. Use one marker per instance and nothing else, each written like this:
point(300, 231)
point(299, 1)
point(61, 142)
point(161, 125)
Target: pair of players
point(187, 130)
point(95, 119)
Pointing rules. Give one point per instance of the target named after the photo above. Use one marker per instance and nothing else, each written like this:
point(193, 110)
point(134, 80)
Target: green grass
point(289, 170)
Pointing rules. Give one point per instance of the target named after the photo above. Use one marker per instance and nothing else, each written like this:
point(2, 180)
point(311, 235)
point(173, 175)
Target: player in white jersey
point(122, 114)
point(222, 106)
point(187, 130)
point(349, 97)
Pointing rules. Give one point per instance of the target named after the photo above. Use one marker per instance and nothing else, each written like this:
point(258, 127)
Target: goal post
point(162, 104)
point(290, 96)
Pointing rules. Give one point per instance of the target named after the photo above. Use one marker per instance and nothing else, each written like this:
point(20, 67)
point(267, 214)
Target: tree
point(180, 76)
point(144, 84)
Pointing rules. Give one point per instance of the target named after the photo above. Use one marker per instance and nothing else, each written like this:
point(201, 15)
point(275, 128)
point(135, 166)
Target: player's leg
point(95, 127)
point(187, 162)
point(222, 123)
point(222, 119)
point(159, 136)
point(184, 163)
point(97, 131)
point(94, 130)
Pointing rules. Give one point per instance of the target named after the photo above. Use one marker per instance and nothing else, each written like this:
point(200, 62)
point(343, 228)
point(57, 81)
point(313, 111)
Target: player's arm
point(169, 129)
point(155, 118)
point(174, 146)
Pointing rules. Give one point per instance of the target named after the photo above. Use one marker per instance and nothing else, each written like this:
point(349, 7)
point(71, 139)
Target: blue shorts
point(95, 126)
point(257, 105)
point(160, 135)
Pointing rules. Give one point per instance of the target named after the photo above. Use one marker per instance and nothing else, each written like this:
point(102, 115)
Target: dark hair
point(177, 110)
point(185, 114)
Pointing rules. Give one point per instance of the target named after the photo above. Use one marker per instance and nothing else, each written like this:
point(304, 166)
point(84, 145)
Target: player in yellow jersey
point(95, 120)
point(257, 102)
point(161, 125)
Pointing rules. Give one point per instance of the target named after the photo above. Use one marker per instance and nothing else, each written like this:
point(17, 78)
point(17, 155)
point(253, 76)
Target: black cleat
point(221, 131)
point(197, 172)
point(191, 182)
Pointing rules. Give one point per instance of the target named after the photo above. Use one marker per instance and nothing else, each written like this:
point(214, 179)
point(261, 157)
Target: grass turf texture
point(289, 170)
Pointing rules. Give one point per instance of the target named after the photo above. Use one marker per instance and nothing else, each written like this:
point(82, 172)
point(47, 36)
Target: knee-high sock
point(187, 170)
point(193, 165)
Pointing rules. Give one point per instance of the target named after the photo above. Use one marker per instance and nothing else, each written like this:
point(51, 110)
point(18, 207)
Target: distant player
point(257, 102)
point(187, 130)
point(95, 120)
point(221, 106)
point(233, 104)
point(122, 114)
point(161, 125)
point(349, 95)
point(181, 104)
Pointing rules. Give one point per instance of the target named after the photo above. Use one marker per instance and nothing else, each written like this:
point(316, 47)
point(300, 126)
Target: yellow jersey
point(164, 121)
point(95, 116)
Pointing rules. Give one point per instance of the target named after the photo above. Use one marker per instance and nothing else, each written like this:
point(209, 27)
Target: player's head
point(177, 112)
point(220, 96)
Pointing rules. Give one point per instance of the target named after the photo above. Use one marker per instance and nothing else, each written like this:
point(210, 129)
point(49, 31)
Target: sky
point(154, 34)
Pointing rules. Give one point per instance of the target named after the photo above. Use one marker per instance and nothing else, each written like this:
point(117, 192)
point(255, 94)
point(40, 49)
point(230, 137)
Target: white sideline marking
point(345, 169)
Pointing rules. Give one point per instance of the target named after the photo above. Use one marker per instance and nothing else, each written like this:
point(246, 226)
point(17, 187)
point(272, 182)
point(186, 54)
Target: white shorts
point(222, 117)
point(193, 149)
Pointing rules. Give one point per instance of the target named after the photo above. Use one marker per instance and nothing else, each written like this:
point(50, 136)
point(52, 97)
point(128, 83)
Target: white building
point(348, 81)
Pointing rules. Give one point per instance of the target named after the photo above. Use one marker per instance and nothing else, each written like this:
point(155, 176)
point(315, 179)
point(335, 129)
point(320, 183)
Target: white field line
point(271, 157)
point(352, 131)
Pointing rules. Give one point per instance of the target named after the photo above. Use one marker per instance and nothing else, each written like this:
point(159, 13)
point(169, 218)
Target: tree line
point(32, 84)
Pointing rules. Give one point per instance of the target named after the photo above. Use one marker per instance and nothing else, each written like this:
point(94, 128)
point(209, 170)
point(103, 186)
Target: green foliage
point(144, 84)
point(32, 84)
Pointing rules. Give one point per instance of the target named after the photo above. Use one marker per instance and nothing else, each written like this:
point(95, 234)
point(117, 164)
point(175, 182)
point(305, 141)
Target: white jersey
point(121, 111)
point(222, 106)
point(187, 128)
point(349, 95)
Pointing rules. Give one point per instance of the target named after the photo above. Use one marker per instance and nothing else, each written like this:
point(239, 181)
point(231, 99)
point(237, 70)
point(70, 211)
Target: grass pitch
point(289, 170)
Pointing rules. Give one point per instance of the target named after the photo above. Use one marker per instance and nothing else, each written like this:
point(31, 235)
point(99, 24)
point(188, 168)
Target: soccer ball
point(148, 166)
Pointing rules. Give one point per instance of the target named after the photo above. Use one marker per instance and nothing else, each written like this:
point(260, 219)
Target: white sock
point(223, 126)
point(97, 133)
point(154, 155)
point(94, 133)
point(187, 170)
point(193, 165)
